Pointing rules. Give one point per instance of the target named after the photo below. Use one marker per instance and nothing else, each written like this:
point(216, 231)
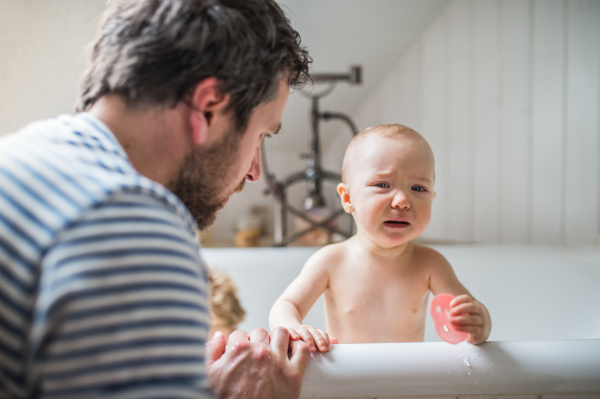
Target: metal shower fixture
point(314, 174)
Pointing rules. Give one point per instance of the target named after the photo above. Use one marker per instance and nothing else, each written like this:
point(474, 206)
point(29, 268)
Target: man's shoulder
point(70, 165)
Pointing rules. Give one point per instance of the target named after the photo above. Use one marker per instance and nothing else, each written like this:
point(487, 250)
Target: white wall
point(507, 92)
point(42, 56)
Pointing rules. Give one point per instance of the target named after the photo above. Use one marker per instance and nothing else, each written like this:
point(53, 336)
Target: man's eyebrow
point(277, 129)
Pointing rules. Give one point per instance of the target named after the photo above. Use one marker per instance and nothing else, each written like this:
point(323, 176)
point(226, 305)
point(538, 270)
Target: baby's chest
point(389, 296)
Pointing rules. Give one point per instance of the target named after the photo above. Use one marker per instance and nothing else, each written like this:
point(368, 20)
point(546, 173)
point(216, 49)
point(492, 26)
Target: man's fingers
point(238, 340)
point(280, 341)
point(215, 348)
point(300, 355)
point(259, 335)
point(333, 340)
point(293, 334)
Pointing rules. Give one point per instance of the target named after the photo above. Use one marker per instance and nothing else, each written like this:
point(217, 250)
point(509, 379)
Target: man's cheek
point(240, 186)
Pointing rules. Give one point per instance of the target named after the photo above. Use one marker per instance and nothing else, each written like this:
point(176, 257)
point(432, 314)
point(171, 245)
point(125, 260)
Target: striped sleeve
point(122, 307)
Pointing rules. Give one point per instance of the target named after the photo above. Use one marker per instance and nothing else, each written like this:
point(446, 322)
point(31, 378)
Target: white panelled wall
point(507, 92)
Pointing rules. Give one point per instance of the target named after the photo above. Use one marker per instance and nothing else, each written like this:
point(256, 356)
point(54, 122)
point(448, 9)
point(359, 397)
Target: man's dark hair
point(154, 52)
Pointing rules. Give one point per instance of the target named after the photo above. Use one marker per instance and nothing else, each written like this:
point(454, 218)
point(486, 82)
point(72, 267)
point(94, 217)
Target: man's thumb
point(215, 348)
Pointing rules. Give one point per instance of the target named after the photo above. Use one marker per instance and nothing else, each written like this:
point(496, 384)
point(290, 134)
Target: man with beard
point(101, 289)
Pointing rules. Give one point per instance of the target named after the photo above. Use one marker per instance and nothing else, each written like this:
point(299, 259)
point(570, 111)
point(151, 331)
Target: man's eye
point(419, 189)
point(382, 185)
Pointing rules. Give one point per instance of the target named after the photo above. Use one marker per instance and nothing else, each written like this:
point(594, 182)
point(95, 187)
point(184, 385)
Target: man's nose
point(400, 200)
point(255, 170)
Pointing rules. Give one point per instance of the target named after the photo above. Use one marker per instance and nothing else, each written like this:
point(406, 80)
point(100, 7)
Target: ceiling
point(339, 33)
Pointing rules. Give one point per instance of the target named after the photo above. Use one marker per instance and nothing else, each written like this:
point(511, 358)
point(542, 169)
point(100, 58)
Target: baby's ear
point(342, 190)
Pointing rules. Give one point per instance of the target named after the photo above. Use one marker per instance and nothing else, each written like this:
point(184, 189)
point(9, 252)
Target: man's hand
point(257, 366)
point(472, 317)
point(315, 338)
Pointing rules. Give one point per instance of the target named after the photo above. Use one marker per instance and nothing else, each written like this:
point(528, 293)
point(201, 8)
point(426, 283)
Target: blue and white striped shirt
point(102, 290)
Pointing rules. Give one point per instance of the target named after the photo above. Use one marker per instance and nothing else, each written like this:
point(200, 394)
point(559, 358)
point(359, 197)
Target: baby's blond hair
point(225, 308)
point(392, 130)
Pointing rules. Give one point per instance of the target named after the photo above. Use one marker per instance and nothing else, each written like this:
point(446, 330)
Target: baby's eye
point(382, 185)
point(419, 189)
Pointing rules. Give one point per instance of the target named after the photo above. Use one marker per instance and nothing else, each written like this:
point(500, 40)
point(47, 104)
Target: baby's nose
point(400, 200)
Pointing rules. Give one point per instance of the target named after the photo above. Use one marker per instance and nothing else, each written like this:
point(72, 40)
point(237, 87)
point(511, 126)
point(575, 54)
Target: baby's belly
point(355, 325)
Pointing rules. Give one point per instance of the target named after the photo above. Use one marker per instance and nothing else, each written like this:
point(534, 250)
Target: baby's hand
point(313, 337)
point(468, 316)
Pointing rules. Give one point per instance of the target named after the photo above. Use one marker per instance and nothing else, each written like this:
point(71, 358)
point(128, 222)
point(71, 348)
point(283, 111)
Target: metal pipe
point(314, 160)
point(313, 174)
point(354, 77)
point(337, 115)
point(314, 226)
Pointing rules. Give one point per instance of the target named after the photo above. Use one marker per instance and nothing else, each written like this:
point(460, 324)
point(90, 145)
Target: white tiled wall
point(507, 93)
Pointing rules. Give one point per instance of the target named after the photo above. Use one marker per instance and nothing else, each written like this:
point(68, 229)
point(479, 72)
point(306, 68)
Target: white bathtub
point(542, 294)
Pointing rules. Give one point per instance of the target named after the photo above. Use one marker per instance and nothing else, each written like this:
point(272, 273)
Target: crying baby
point(376, 284)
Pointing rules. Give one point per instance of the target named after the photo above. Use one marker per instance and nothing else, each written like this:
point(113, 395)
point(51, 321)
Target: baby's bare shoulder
point(329, 255)
point(430, 258)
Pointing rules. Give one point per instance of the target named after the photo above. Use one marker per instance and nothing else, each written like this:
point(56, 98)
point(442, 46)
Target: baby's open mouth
point(396, 223)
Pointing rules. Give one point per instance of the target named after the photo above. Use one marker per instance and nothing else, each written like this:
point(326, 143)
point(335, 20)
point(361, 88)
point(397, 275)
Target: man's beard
point(202, 178)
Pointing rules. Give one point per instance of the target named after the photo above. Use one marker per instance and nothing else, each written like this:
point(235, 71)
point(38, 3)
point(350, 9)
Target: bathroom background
point(506, 91)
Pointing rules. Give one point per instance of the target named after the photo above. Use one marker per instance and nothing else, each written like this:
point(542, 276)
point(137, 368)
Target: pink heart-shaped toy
point(440, 312)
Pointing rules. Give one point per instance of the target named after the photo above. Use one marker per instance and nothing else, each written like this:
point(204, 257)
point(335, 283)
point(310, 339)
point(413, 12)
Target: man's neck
point(154, 138)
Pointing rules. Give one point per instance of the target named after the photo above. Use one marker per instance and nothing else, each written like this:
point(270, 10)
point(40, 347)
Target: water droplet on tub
point(467, 362)
point(469, 373)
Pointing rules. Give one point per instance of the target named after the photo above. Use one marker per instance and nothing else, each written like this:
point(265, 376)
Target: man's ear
point(434, 194)
point(208, 105)
point(342, 190)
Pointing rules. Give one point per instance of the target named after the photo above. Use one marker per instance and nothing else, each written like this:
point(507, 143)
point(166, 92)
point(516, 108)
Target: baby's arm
point(468, 314)
point(293, 305)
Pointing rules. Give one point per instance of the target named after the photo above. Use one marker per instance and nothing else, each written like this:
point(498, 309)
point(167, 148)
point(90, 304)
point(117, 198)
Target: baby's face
point(390, 183)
